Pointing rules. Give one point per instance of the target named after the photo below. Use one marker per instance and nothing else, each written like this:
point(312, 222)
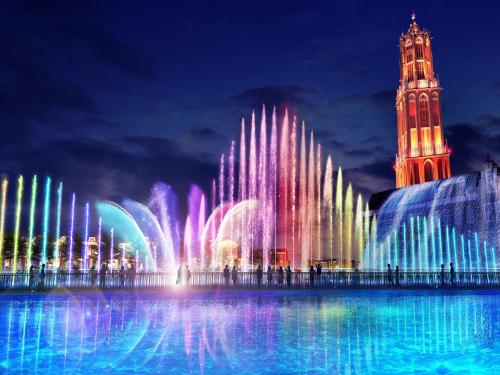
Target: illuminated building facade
point(423, 154)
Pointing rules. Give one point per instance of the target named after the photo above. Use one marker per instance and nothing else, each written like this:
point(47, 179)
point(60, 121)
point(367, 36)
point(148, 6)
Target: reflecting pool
point(240, 332)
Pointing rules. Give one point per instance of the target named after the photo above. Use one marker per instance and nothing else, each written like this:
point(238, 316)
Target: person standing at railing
point(179, 276)
point(311, 276)
point(318, 273)
point(122, 277)
point(102, 276)
point(131, 276)
point(390, 281)
point(187, 275)
point(234, 276)
point(226, 275)
point(259, 276)
point(281, 276)
point(442, 274)
point(41, 286)
point(269, 276)
point(452, 275)
point(93, 276)
point(397, 276)
point(31, 277)
point(289, 276)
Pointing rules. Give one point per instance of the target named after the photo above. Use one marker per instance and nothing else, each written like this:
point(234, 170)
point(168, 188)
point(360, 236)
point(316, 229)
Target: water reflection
point(350, 332)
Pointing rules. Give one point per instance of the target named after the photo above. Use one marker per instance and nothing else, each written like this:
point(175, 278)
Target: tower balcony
point(422, 151)
point(420, 84)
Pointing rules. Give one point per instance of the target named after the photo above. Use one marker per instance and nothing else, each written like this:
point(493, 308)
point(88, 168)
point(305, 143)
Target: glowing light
point(71, 232)
point(5, 184)
point(31, 228)
point(17, 223)
point(57, 257)
point(339, 216)
point(85, 237)
point(45, 222)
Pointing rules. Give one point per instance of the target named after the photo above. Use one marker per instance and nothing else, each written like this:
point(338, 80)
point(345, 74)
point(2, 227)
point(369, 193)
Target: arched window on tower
point(412, 117)
point(435, 109)
point(424, 110)
point(423, 104)
point(428, 172)
point(420, 70)
point(415, 176)
point(412, 111)
point(419, 49)
point(439, 167)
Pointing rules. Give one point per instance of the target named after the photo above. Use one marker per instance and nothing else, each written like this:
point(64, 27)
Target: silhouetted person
point(442, 274)
point(93, 276)
point(396, 273)
point(452, 274)
point(259, 276)
point(32, 276)
point(42, 278)
point(234, 275)
point(311, 277)
point(389, 276)
point(188, 274)
point(102, 276)
point(269, 275)
point(131, 276)
point(226, 275)
point(318, 272)
point(122, 277)
point(281, 276)
point(289, 276)
point(179, 276)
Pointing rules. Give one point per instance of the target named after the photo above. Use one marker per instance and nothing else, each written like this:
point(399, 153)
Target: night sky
point(112, 96)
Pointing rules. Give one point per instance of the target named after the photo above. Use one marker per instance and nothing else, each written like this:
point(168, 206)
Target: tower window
point(435, 110)
point(424, 111)
point(419, 50)
point(429, 175)
point(412, 112)
point(420, 70)
point(410, 73)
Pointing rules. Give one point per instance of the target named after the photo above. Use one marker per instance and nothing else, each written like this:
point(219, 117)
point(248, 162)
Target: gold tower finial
point(413, 16)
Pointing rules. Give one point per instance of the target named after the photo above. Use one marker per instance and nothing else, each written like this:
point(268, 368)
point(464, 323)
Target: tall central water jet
point(31, 228)
point(17, 223)
point(3, 208)
point(46, 216)
point(57, 258)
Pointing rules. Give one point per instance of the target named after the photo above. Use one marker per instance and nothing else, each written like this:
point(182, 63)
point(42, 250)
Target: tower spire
point(413, 16)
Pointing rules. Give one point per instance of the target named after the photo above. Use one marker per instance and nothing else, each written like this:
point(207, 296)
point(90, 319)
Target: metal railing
point(327, 279)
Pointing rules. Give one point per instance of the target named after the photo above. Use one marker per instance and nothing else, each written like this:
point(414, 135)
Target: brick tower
point(423, 154)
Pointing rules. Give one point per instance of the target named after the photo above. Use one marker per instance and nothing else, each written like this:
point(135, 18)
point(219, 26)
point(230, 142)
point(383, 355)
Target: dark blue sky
point(112, 96)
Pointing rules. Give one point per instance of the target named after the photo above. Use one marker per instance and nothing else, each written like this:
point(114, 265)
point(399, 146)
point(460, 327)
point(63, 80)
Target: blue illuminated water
point(240, 332)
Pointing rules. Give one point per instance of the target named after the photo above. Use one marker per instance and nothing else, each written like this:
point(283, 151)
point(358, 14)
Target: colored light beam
point(71, 231)
point(57, 262)
point(31, 229)
point(5, 185)
point(85, 236)
point(99, 233)
point(17, 222)
point(45, 222)
point(111, 250)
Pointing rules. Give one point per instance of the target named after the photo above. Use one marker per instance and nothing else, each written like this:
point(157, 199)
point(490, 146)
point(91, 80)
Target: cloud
point(112, 50)
point(471, 143)
point(374, 176)
point(367, 153)
point(293, 96)
point(205, 134)
point(382, 99)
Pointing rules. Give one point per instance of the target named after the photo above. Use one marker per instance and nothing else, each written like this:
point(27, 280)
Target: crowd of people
point(279, 276)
